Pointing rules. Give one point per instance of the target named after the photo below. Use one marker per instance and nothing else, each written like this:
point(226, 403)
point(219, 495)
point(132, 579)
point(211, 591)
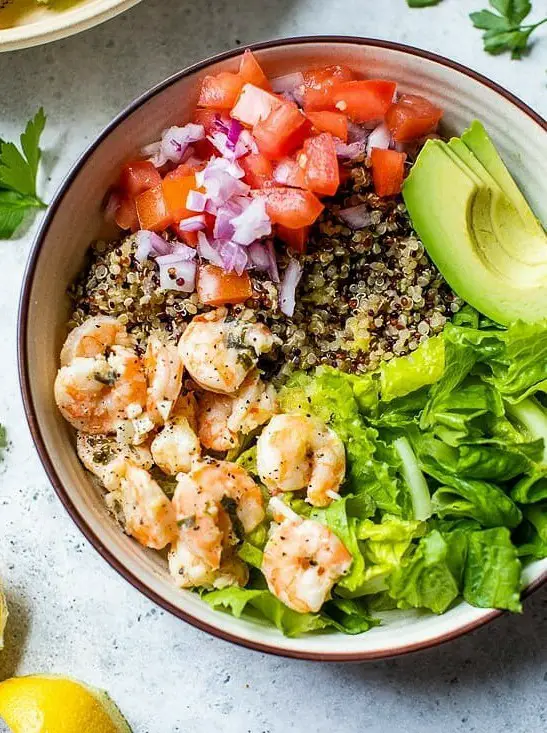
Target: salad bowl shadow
point(75, 219)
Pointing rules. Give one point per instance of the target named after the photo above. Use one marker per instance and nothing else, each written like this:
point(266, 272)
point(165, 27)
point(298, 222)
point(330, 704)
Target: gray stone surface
point(72, 614)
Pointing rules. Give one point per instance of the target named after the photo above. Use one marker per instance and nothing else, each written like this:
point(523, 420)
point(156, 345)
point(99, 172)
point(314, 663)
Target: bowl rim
point(69, 22)
point(23, 366)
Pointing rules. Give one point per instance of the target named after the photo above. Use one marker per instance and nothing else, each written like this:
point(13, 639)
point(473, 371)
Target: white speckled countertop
point(70, 612)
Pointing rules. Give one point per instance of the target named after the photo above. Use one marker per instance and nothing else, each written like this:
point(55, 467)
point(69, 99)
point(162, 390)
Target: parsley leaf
point(503, 31)
point(18, 170)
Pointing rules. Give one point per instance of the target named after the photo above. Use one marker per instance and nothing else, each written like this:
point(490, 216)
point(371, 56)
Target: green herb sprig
point(18, 170)
point(504, 30)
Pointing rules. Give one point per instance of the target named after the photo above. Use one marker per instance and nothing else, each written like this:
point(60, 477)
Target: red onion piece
point(380, 138)
point(150, 243)
point(223, 229)
point(234, 257)
point(208, 251)
point(272, 269)
point(173, 144)
point(177, 275)
point(258, 256)
point(234, 131)
point(287, 291)
point(192, 223)
point(356, 217)
point(291, 86)
point(356, 132)
point(196, 201)
point(350, 151)
point(252, 224)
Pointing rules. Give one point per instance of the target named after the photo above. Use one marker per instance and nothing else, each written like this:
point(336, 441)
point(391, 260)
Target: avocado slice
point(478, 228)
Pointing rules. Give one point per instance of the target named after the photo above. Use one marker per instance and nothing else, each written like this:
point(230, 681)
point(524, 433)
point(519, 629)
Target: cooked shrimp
point(223, 418)
point(190, 571)
point(105, 457)
point(176, 446)
point(163, 369)
point(219, 353)
point(215, 481)
point(297, 452)
point(302, 561)
point(210, 502)
point(97, 394)
point(93, 337)
point(149, 515)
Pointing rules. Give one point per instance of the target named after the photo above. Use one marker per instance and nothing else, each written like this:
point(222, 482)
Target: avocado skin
point(478, 228)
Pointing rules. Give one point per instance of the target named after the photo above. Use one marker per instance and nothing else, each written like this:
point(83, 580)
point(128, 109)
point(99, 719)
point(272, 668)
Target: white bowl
point(24, 23)
point(74, 219)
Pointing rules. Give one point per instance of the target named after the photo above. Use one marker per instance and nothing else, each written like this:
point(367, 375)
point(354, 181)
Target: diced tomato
point(254, 104)
point(388, 171)
point(334, 122)
point(126, 214)
point(344, 172)
point(291, 207)
point(220, 91)
point(258, 170)
point(282, 132)
point(182, 171)
point(318, 85)
point(138, 176)
point(152, 210)
point(321, 164)
point(204, 149)
point(412, 117)
point(208, 118)
point(364, 101)
point(189, 238)
point(288, 172)
point(216, 287)
point(295, 239)
point(251, 71)
point(175, 193)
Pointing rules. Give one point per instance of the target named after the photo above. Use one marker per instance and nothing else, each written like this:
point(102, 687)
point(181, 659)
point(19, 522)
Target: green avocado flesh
point(478, 228)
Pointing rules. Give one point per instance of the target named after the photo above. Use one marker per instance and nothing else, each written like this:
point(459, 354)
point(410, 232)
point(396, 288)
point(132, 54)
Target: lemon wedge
point(50, 704)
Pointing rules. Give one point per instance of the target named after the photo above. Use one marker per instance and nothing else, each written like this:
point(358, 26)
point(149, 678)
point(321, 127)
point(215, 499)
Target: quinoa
point(365, 295)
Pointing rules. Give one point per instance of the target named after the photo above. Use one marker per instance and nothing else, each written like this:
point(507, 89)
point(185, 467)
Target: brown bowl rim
point(23, 366)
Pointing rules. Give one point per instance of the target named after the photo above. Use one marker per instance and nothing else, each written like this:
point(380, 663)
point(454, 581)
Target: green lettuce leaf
point(349, 616)
point(410, 373)
point(531, 536)
point(492, 571)
point(263, 604)
point(531, 489)
point(479, 500)
point(425, 580)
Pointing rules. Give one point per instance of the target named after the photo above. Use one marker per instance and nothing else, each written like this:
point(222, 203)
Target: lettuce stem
point(531, 415)
point(415, 480)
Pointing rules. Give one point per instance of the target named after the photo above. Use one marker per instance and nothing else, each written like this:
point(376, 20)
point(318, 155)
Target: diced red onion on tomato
point(287, 291)
point(223, 229)
point(380, 137)
point(356, 132)
point(356, 217)
point(290, 85)
point(234, 257)
point(177, 275)
point(192, 223)
point(252, 224)
point(208, 251)
point(234, 131)
point(350, 151)
point(183, 251)
point(173, 144)
point(150, 243)
point(196, 201)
